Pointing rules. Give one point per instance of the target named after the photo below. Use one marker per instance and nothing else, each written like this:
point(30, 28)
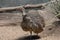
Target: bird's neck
point(24, 18)
point(24, 13)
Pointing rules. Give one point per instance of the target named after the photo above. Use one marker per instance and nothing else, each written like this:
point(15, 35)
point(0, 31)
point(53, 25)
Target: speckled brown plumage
point(33, 21)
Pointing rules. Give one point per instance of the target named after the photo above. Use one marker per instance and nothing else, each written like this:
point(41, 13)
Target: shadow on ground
point(33, 37)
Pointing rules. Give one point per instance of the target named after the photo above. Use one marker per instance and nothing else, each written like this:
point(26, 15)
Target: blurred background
point(6, 3)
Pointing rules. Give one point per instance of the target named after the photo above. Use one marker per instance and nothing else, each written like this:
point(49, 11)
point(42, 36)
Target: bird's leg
point(30, 32)
point(37, 34)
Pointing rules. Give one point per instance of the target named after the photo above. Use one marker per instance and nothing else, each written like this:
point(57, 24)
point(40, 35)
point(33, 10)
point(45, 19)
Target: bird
point(32, 22)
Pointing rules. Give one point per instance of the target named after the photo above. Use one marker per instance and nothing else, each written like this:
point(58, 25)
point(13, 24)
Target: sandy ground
point(15, 32)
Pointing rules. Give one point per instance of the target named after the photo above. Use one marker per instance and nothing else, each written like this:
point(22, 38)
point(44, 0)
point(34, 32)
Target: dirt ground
point(16, 33)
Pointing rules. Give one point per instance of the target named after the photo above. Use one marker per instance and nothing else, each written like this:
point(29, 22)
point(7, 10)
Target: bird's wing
point(37, 18)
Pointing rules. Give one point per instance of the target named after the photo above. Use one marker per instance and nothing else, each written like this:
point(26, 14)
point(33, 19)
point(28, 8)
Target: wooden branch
point(10, 9)
point(28, 6)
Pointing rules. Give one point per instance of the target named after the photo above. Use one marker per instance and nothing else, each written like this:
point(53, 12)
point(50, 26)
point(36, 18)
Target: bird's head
point(22, 9)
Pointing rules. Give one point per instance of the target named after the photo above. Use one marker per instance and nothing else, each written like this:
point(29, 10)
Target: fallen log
point(6, 9)
point(19, 8)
